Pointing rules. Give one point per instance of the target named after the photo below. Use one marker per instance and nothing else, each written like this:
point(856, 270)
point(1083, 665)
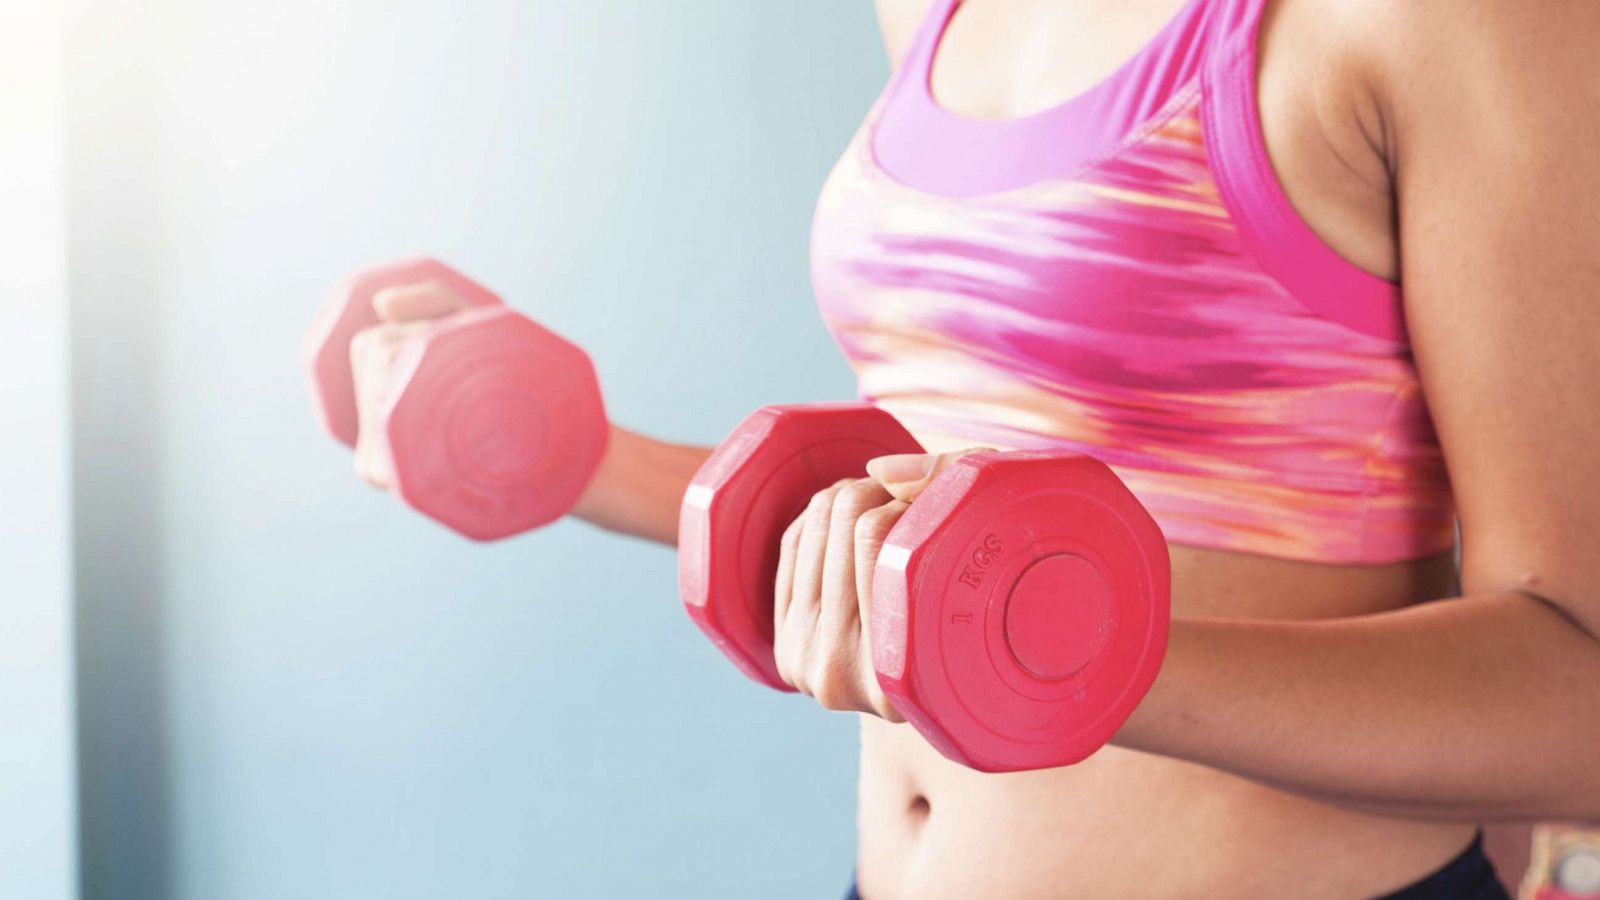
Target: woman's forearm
point(639, 486)
point(1476, 709)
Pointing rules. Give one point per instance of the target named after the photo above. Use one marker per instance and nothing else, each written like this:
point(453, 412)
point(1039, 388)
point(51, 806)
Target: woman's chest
point(1007, 59)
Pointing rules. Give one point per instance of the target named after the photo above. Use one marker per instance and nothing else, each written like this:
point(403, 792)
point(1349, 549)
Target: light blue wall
point(37, 823)
point(291, 686)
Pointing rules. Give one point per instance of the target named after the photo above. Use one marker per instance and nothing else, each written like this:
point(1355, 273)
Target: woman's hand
point(634, 491)
point(821, 640)
point(406, 312)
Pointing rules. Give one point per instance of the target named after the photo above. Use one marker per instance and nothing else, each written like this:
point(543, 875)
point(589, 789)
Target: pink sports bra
point(1122, 275)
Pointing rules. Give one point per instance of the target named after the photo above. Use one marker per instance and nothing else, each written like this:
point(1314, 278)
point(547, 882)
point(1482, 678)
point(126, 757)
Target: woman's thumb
point(410, 302)
point(905, 475)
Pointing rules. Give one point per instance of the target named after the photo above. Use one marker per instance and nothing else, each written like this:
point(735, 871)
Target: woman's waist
point(1121, 823)
point(1119, 812)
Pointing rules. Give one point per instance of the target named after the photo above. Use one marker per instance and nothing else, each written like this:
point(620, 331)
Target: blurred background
point(230, 670)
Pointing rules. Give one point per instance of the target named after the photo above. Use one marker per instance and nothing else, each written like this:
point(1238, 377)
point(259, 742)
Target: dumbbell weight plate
point(1020, 609)
point(745, 495)
point(499, 426)
point(347, 310)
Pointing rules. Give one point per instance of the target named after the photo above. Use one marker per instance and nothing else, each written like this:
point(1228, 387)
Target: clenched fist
point(823, 600)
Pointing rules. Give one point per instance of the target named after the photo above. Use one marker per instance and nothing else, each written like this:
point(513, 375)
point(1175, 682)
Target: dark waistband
point(1470, 876)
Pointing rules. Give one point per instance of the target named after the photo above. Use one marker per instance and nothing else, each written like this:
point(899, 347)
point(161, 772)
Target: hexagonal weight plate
point(499, 425)
point(1020, 609)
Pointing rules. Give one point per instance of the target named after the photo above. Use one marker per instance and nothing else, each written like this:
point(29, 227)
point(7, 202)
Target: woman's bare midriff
point(1127, 824)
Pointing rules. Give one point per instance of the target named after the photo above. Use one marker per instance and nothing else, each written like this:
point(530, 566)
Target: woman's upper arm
point(1495, 111)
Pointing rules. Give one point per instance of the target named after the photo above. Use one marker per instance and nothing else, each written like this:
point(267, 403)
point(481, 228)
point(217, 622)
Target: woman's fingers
point(811, 551)
point(840, 576)
point(820, 606)
point(872, 528)
point(788, 547)
point(405, 312)
point(375, 356)
point(794, 608)
point(783, 591)
point(840, 676)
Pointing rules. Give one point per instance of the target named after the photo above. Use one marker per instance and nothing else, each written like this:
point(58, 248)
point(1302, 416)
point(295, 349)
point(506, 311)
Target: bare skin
point(1317, 731)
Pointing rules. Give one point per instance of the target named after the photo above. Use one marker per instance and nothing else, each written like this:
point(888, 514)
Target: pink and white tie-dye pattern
point(1117, 311)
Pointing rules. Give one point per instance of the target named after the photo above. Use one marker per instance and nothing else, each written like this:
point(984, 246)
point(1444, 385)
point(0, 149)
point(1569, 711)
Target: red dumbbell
point(1020, 606)
point(746, 493)
point(496, 424)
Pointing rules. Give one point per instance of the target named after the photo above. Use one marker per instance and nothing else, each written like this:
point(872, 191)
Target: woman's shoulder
point(1412, 46)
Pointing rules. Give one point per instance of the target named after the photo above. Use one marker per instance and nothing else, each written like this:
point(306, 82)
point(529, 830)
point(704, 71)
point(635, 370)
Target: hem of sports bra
point(1345, 560)
point(1355, 546)
point(1283, 244)
point(1361, 545)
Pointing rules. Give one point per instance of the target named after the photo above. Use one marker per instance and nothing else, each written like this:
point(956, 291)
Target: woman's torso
point(1123, 823)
